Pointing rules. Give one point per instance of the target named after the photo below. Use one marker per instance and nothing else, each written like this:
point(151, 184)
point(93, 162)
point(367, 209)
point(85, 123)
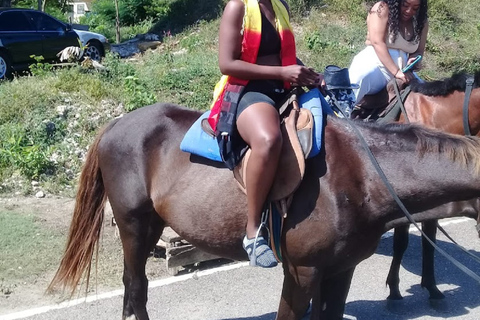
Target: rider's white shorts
point(369, 73)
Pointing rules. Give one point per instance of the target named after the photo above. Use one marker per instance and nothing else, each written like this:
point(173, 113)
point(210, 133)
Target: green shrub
point(19, 151)
point(40, 68)
point(137, 94)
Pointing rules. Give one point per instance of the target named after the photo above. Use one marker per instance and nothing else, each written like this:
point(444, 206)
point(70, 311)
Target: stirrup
point(259, 253)
point(258, 250)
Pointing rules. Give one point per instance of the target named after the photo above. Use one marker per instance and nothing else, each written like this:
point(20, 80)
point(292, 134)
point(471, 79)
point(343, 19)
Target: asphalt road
point(239, 292)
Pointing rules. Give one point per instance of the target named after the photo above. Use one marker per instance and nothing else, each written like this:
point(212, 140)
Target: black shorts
point(268, 91)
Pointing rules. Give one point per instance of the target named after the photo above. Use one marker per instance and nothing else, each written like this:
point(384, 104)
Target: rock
point(152, 37)
point(62, 110)
point(126, 49)
point(139, 44)
point(40, 194)
point(145, 45)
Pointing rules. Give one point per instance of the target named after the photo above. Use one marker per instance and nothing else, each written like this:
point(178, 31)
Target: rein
point(476, 258)
point(399, 202)
point(400, 99)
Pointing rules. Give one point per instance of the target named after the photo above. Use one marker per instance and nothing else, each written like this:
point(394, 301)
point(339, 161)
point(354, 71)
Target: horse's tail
point(86, 224)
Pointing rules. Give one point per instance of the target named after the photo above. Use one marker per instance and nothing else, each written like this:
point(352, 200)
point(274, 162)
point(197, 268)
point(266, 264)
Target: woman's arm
point(377, 25)
point(230, 49)
point(421, 46)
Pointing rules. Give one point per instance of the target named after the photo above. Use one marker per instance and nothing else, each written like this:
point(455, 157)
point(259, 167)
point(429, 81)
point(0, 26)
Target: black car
point(26, 32)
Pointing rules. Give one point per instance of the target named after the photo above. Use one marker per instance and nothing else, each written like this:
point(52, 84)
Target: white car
point(95, 43)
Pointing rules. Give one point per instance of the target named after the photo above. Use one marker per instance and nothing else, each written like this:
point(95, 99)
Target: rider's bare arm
point(377, 26)
point(230, 47)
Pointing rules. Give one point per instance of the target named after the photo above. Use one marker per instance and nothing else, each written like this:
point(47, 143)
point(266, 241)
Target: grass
point(51, 118)
point(22, 238)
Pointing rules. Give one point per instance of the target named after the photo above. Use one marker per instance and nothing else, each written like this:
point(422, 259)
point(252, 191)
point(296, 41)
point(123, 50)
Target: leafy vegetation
point(48, 119)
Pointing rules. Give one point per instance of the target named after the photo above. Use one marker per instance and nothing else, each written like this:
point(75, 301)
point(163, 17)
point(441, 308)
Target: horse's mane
point(462, 149)
point(446, 86)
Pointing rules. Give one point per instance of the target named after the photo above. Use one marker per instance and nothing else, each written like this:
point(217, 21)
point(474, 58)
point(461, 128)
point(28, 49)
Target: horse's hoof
point(436, 295)
point(439, 305)
point(395, 305)
point(395, 297)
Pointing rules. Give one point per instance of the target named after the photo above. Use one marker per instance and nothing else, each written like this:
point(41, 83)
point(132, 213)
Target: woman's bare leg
point(259, 126)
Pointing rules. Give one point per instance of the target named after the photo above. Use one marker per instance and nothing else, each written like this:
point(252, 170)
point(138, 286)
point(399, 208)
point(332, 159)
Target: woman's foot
point(260, 254)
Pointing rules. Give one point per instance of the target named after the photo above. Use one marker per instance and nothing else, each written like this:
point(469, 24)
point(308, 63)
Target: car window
point(45, 23)
point(14, 21)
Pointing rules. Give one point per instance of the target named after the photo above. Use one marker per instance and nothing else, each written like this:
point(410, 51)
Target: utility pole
point(117, 23)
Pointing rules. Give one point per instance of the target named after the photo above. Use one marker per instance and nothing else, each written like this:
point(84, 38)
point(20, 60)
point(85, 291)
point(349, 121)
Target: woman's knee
point(268, 143)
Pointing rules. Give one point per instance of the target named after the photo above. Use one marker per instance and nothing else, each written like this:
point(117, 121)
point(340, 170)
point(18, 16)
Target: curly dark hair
point(394, 8)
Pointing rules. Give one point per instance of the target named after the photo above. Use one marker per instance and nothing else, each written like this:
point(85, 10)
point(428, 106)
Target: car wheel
point(94, 51)
point(5, 68)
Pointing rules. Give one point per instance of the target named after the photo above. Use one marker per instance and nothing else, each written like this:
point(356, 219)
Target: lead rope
point(400, 100)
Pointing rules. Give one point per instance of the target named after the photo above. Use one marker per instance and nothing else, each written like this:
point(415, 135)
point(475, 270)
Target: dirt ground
point(55, 214)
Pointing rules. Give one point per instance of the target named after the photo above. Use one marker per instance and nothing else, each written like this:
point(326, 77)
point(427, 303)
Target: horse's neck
point(422, 181)
point(444, 112)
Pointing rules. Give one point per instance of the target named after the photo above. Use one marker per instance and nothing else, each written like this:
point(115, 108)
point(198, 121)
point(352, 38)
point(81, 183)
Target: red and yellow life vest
point(252, 34)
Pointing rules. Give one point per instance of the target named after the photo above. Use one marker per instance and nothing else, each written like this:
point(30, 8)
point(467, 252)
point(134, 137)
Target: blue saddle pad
point(198, 142)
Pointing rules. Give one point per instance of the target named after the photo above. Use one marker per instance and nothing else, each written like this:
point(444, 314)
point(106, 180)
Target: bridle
point(466, 126)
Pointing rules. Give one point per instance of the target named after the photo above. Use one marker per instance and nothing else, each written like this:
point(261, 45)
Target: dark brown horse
point(436, 104)
point(336, 219)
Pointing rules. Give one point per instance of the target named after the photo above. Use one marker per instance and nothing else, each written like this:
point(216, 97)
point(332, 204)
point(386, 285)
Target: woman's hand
point(417, 65)
point(299, 75)
point(404, 77)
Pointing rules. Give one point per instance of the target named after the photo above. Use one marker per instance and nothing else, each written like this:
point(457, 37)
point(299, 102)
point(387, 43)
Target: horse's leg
point(400, 243)
point(298, 286)
point(428, 269)
point(330, 304)
point(140, 230)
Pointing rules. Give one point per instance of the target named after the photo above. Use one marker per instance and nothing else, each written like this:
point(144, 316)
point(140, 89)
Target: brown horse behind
point(436, 104)
point(336, 218)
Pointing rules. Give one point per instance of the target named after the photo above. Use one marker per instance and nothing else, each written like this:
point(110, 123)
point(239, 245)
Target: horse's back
point(148, 122)
point(143, 168)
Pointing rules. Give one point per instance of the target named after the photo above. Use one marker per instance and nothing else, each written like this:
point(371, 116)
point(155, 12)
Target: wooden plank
point(185, 255)
point(170, 236)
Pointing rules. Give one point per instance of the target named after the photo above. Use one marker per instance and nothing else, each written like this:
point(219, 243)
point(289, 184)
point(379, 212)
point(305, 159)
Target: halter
point(468, 91)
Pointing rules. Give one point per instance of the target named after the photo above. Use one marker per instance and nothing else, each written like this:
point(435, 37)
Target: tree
point(6, 3)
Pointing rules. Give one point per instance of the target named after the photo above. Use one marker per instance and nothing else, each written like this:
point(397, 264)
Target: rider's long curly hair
point(394, 8)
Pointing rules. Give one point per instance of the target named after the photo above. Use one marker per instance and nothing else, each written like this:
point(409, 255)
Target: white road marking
point(115, 293)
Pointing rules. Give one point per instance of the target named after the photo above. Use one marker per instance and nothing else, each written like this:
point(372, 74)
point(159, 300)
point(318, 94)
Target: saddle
point(384, 106)
point(297, 132)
